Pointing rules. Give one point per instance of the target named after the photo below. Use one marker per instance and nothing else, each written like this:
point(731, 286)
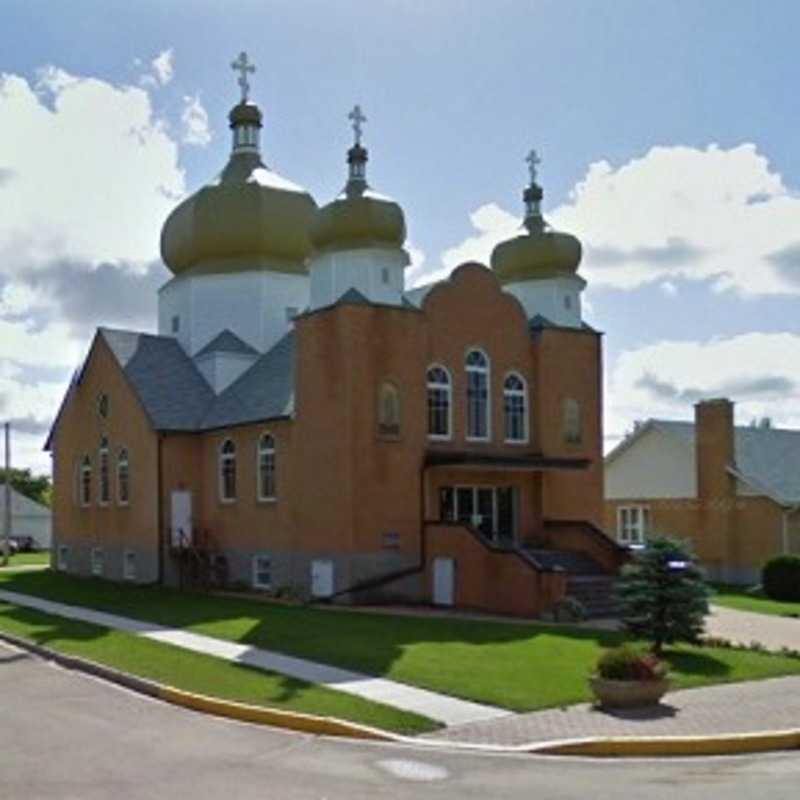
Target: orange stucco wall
point(111, 527)
point(344, 489)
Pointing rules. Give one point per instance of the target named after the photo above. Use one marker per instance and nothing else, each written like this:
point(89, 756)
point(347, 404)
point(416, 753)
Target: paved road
point(64, 735)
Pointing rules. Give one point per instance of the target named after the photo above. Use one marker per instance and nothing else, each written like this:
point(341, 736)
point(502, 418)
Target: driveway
point(745, 627)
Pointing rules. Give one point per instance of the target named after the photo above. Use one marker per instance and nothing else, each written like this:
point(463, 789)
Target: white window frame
point(103, 473)
point(487, 372)
point(123, 461)
point(222, 458)
point(263, 450)
point(85, 482)
point(438, 386)
point(62, 558)
point(633, 531)
point(523, 393)
point(96, 559)
point(129, 565)
point(258, 569)
point(573, 413)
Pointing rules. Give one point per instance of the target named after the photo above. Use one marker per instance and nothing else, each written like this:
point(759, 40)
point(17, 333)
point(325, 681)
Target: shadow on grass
point(697, 664)
point(358, 640)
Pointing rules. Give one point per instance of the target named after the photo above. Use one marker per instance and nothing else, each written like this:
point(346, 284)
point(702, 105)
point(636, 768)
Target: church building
point(306, 425)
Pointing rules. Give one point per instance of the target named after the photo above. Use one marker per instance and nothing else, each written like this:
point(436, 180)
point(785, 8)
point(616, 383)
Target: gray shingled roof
point(227, 342)
point(768, 458)
point(170, 387)
point(264, 391)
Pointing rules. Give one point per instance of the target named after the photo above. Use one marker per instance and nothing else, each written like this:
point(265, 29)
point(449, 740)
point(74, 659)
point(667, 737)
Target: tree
point(663, 594)
point(36, 487)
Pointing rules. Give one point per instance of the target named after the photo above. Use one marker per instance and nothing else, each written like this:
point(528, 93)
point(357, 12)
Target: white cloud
point(88, 174)
point(760, 372)
point(677, 212)
point(194, 119)
point(94, 173)
point(669, 288)
point(161, 69)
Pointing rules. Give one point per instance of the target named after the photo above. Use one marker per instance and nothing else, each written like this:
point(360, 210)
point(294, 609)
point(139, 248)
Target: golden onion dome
point(540, 252)
point(358, 217)
point(247, 214)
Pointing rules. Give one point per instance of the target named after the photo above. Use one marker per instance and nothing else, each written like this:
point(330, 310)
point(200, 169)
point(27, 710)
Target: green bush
point(781, 578)
point(628, 663)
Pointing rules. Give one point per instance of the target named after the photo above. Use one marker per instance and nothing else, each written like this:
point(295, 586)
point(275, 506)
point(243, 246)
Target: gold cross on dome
point(533, 161)
point(242, 65)
point(356, 116)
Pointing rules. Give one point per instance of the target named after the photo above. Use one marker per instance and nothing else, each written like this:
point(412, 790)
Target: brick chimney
point(716, 488)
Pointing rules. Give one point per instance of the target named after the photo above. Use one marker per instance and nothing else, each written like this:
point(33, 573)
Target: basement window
point(97, 561)
point(62, 561)
point(262, 572)
point(129, 565)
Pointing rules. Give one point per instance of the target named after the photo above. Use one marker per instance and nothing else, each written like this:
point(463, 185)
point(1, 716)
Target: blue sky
point(666, 130)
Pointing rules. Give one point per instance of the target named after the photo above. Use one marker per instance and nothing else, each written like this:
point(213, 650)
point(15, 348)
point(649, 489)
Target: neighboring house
point(303, 421)
point(733, 491)
point(28, 518)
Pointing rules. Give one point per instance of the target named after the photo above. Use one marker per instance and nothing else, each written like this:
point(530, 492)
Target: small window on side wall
point(388, 410)
point(62, 562)
point(262, 572)
point(97, 561)
point(572, 423)
point(266, 467)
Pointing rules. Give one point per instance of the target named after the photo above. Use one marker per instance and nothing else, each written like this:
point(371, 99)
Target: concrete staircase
point(595, 593)
point(587, 581)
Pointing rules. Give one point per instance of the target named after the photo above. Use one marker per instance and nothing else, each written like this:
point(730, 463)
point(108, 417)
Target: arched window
point(477, 367)
point(227, 471)
point(439, 403)
point(86, 481)
point(515, 408)
point(104, 476)
point(123, 478)
point(388, 410)
point(266, 467)
point(573, 428)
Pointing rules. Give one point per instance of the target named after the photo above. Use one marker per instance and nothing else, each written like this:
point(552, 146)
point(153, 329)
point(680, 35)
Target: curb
point(609, 747)
point(716, 745)
point(290, 720)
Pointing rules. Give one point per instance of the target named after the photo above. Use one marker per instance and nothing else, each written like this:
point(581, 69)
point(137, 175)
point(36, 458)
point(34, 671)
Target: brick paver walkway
point(733, 708)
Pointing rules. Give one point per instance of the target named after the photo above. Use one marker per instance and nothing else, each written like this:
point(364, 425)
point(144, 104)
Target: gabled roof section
point(169, 386)
point(227, 342)
point(766, 458)
point(353, 297)
point(264, 391)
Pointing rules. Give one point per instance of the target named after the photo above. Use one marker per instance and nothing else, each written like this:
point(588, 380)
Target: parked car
point(22, 544)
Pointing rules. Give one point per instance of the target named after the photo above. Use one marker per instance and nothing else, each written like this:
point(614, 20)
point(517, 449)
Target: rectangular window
point(176, 324)
point(262, 572)
point(97, 561)
point(385, 274)
point(129, 565)
point(291, 313)
point(62, 562)
point(633, 524)
point(490, 509)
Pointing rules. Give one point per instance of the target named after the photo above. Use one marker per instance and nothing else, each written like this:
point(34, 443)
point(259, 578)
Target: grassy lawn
point(518, 666)
point(26, 559)
point(740, 598)
point(200, 673)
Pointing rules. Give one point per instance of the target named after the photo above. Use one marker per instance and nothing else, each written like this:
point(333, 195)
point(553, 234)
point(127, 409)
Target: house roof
point(766, 458)
point(21, 505)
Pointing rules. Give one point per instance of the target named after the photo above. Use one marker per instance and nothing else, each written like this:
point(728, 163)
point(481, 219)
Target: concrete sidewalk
point(442, 708)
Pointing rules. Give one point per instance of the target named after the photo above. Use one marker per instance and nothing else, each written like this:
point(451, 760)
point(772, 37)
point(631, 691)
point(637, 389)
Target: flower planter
point(628, 694)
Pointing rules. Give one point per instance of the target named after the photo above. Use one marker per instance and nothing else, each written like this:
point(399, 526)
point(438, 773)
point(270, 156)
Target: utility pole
point(7, 492)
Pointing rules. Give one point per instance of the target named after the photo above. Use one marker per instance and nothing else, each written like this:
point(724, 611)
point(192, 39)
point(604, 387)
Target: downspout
point(159, 510)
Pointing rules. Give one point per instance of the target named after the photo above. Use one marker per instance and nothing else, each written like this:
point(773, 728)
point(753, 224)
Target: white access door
point(181, 518)
point(321, 578)
point(444, 576)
